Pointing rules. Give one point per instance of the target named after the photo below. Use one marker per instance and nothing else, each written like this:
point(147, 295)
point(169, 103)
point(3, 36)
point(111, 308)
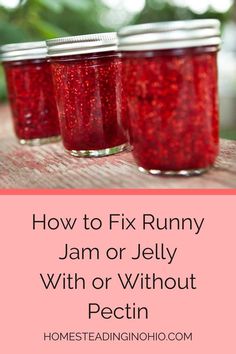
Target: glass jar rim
point(23, 51)
point(82, 44)
point(170, 35)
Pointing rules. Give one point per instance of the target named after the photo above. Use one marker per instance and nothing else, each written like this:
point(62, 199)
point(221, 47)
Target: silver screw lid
point(91, 43)
point(23, 51)
point(170, 35)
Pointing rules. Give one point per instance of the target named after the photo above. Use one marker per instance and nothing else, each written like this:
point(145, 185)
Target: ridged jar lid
point(170, 35)
point(90, 43)
point(23, 51)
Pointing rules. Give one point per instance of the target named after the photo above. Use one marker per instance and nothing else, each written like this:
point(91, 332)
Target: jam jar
point(169, 79)
point(86, 72)
point(30, 92)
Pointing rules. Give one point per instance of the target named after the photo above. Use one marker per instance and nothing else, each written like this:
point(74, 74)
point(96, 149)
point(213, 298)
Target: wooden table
point(49, 166)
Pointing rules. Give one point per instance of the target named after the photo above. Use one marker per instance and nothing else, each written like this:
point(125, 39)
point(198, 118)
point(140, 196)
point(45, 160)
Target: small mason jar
point(87, 74)
point(30, 92)
point(171, 96)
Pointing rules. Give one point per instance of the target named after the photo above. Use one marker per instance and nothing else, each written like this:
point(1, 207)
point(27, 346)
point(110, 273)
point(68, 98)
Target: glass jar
point(171, 95)
point(86, 73)
point(30, 92)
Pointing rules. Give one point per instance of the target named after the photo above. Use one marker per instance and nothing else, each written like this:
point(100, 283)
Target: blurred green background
point(26, 20)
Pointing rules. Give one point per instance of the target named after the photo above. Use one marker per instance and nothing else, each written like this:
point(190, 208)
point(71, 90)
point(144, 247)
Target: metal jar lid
point(23, 51)
point(170, 35)
point(91, 43)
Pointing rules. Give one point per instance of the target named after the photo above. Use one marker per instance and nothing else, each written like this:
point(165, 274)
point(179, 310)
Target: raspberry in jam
point(87, 74)
point(169, 76)
point(30, 92)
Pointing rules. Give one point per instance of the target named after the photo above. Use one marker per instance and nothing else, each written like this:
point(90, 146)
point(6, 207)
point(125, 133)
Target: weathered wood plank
point(49, 166)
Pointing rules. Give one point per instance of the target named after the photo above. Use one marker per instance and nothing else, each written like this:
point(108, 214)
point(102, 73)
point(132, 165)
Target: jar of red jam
point(171, 95)
point(30, 92)
point(87, 74)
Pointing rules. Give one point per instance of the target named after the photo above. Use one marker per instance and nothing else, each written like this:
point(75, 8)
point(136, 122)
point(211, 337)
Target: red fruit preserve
point(87, 74)
point(30, 92)
point(171, 95)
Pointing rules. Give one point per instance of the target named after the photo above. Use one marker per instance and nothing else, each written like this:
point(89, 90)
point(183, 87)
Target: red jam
point(172, 108)
point(30, 91)
point(86, 88)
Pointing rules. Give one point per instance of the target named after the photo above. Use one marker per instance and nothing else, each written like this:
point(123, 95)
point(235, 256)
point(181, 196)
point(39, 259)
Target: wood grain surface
point(49, 166)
